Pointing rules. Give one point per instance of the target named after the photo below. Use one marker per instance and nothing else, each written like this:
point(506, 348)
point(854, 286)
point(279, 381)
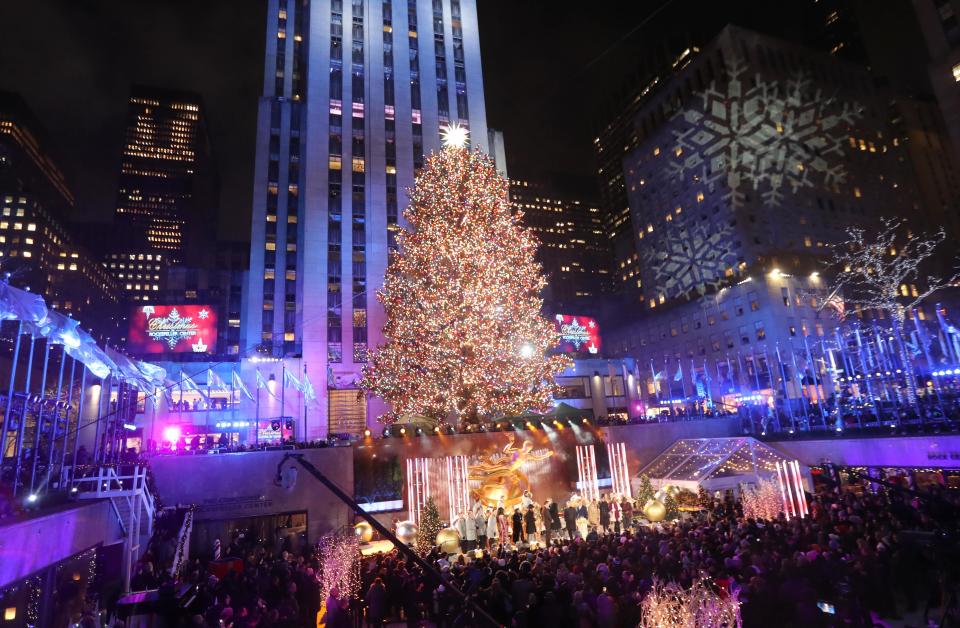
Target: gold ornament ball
point(407, 532)
point(654, 510)
point(364, 532)
point(449, 540)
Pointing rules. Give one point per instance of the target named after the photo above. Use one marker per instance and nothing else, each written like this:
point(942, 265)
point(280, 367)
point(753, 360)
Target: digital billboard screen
point(578, 334)
point(172, 329)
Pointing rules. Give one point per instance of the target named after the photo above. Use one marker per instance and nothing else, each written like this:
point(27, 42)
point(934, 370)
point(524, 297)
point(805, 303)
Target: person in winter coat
point(582, 520)
point(471, 536)
point(517, 525)
point(503, 528)
point(376, 599)
point(615, 514)
point(556, 523)
point(626, 512)
point(593, 514)
point(530, 519)
point(604, 508)
point(547, 522)
point(461, 525)
point(480, 520)
point(570, 519)
point(491, 528)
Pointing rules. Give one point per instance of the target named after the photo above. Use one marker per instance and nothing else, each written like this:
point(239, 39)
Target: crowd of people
point(856, 560)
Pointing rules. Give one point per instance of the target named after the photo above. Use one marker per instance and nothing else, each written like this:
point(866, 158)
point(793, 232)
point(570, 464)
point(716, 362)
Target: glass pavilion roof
point(699, 459)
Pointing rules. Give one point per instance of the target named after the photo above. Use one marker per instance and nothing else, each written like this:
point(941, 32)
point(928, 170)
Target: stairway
point(126, 488)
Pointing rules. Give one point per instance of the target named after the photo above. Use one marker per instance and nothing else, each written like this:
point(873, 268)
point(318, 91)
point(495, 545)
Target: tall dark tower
point(167, 189)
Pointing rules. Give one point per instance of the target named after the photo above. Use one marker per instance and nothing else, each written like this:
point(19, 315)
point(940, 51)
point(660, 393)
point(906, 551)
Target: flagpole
point(803, 386)
point(257, 434)
point(656, 386)
point(283, 398)
point(233, 407)
point(209, 397)
point(303, 397)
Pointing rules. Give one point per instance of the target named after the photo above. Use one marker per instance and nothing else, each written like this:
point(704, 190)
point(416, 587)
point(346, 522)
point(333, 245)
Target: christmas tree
point(671, 506)
point(430, 526)
point(465, 337)
point(645, 492)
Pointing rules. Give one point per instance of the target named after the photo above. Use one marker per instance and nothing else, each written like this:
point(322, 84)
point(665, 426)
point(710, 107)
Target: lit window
point(31, 227)
point(271, 246)
point(288, 336)
point(17, 226)
point(856, 192)
point(956, 73)
point(27, 254)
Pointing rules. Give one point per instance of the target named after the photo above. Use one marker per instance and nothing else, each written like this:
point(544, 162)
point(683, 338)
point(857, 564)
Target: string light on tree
point(668, 605)
point(465, 337)
point(763, 501)
point(873, 271)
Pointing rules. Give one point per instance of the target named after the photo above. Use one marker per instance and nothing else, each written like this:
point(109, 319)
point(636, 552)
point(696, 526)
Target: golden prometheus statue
point(500, 477)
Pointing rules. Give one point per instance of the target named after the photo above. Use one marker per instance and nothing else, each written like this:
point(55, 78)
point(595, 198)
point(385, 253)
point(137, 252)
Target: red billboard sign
point(172, 329)
point(578, 334)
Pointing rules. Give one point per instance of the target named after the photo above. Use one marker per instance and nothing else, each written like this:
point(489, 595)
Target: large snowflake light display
point(691, 257)
point(772, 137)
point(741, 136)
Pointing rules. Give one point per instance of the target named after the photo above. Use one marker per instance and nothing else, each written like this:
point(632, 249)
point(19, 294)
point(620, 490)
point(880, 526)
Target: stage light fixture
point(436, 430)
point(386, 432)
point(366, 433)
point(419, 431)
point(403, 431)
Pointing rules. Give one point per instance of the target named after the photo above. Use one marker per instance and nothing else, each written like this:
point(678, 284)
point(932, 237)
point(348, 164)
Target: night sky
point(549, 76)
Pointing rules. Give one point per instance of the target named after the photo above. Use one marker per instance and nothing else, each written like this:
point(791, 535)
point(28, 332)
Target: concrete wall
point(31, 545)
point(230, 486)
point(905, 451)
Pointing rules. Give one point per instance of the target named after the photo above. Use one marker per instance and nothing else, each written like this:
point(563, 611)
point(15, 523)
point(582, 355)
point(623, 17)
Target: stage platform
point(376, 547)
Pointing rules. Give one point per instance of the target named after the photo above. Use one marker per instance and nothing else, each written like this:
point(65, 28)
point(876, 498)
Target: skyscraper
point(573, 250)
point(37, 248)
point(167, 190)
point(341, 130)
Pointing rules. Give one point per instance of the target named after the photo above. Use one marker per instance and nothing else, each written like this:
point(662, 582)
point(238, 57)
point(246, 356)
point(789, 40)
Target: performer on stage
point(593, 514)
point(604, 514)
point(517, 525)
point(491, 528)
point(503, 528)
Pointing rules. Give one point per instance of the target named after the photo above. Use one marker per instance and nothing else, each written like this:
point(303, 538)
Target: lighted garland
point(181, 543)
point(763, 501)
point(668, 605)
point(340, 565)
point(464, 332)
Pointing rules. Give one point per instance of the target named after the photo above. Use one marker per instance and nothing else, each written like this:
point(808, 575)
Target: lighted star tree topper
point(465, 339)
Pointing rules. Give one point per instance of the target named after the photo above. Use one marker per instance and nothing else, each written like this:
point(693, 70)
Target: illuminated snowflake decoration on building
point(691, 258)
point(772, 138)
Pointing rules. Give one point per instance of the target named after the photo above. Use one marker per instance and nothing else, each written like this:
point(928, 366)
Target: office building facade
point(573, 250)
point(757, 157)
point(355, 94)
point(38, 249)
point(167, 189)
